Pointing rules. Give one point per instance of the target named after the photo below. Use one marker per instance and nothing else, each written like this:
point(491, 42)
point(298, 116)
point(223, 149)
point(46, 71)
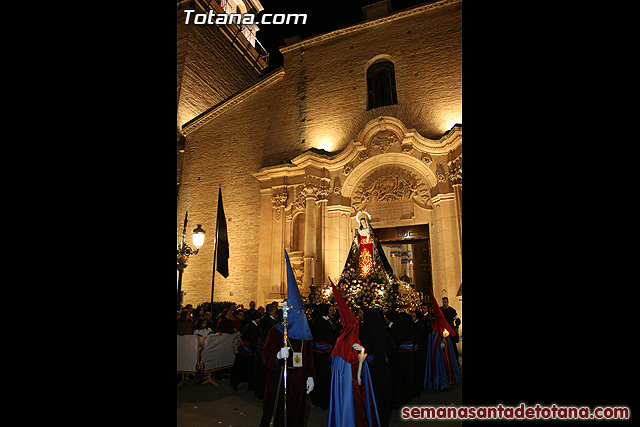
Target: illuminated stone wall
point(210, 69)
point(254, 145)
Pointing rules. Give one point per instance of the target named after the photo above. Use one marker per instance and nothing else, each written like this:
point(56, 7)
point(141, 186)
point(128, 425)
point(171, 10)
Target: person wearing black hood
point(402, 362)
point(379, 345)
point(265, 323)
point(419, 353)
point(324, 338)
point(244, 364)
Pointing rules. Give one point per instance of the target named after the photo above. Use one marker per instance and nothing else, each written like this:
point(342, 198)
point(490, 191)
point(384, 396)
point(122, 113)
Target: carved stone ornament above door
point(390, 184)
point(383, 140)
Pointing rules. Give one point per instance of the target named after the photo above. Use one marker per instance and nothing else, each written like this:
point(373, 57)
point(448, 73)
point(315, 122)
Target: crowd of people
point(395, 342)
point(200, 322)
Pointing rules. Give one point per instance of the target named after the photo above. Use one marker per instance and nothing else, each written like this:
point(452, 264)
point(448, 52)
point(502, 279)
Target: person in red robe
point(441, 369)
point(298, 352)
point(352, 402)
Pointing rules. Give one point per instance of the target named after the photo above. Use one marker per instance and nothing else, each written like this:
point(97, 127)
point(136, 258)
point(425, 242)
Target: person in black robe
point(419, 353)
point(412, 334)
point(379, 345)
point(244, 364)
point(267, 321)
point(324, 338)
point(454, 321)
point(402, 361)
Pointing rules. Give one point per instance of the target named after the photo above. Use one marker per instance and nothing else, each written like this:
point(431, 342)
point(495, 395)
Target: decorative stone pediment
point(390, 188)
point(383, 140)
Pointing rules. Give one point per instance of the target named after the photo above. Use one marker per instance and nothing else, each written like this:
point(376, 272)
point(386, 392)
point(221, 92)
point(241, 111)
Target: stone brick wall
point(320, 102)
point(426, 49)
point(210, 69)
point(226, 152)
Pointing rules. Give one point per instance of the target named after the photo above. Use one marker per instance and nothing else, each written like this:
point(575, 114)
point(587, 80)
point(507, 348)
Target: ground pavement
point(209, 405)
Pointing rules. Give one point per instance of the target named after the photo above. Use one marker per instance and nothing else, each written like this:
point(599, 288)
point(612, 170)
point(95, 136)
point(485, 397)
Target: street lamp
point(198, 237)
point(185, 251)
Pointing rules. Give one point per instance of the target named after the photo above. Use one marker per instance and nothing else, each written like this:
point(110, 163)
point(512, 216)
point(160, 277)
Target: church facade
point(364, 118)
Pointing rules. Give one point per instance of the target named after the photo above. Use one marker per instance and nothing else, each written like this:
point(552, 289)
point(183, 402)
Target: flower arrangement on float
point(372, 290)
point(407, 297)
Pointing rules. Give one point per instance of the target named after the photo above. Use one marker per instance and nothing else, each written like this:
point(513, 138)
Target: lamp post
point(185, 250)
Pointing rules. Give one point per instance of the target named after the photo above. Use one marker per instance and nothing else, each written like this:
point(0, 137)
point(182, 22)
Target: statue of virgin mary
point(366, 253)
point(367, 277)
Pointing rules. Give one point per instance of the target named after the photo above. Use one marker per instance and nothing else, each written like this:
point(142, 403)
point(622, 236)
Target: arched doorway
point(408, 250)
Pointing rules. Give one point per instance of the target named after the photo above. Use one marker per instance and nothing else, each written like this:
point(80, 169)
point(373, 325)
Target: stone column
point(264, 254)
point(320, 266)
point(310, 192)
point(278, 274)
point(455, 178)
point(445, 248)
point(338, 240)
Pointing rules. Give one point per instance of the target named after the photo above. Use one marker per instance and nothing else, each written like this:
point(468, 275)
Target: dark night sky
point(322, 16)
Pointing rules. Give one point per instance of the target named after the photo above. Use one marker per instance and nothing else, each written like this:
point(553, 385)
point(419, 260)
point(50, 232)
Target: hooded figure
point(402, 361)
point(324, 337)
point(442, 366)
point(244, 364)
point(352, 402)
point(300, 368)
point(380, 346)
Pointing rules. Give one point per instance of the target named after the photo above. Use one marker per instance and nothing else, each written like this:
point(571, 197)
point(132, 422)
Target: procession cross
point(285, 324)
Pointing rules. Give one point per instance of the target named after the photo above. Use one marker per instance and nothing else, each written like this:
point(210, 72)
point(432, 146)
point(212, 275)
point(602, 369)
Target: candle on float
point(361, 358)
point(313, 274)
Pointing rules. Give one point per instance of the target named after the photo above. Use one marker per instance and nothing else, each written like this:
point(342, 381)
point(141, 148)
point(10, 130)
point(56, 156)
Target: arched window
point(381, 84)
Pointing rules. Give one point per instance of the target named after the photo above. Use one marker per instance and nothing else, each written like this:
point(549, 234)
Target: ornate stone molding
point(357, 151)
point(440, 173)
point(409, 162)
point(300, 202)
point(323, 194)
point(455, 171)
point(383, 140)
point(337, 186)
point(390, 184)
point(444, 197)
point(382, 132)
point(310, 191)
point(279, 200)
